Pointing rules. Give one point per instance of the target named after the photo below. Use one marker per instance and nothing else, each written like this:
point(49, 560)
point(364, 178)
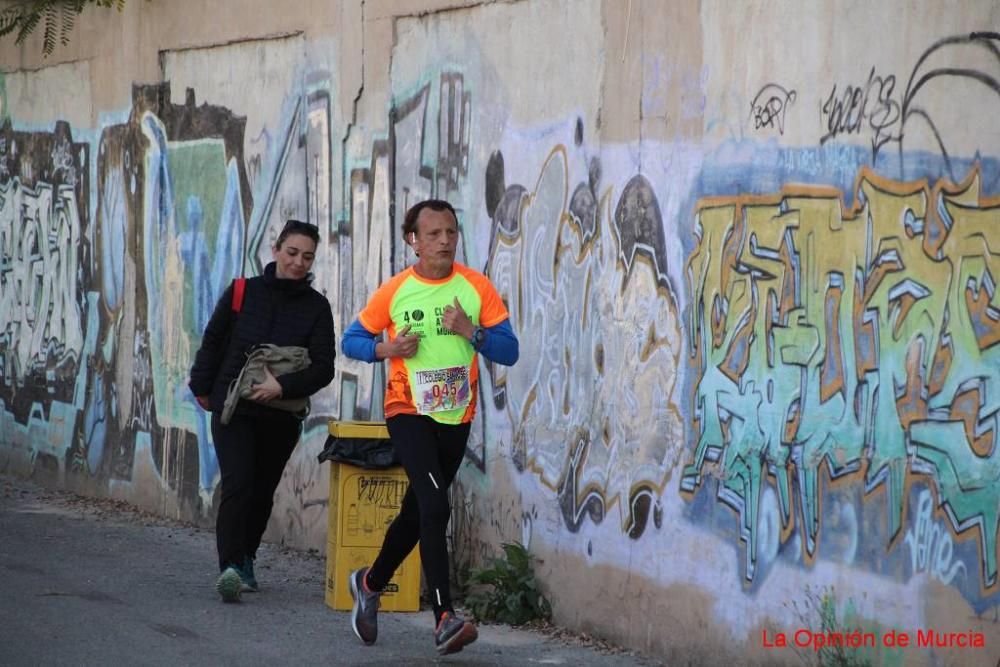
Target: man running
point(439, 316)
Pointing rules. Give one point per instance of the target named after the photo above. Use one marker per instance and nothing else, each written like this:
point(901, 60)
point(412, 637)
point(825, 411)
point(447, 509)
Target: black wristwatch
point(478, 335)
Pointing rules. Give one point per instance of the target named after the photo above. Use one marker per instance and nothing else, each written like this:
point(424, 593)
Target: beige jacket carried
point(280, 360)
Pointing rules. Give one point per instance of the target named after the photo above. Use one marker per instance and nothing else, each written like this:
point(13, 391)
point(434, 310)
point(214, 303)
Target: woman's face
point(294, 257)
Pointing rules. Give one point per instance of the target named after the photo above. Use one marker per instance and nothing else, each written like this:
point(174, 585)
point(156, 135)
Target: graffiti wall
point(832, 343)
point(755, 294)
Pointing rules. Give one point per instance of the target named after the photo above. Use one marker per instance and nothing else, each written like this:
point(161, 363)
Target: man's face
point(435, 239)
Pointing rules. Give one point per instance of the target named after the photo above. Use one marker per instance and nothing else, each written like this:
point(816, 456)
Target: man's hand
point(203, 402)
point(403, 345)
point(455, 319)
point(267, 390)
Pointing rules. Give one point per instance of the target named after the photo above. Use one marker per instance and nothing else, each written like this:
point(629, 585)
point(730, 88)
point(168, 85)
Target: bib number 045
point(441, 389)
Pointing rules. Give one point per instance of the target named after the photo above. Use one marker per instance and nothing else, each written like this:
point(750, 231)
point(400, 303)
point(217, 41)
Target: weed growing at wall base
point(514, 598)
point(823, 649)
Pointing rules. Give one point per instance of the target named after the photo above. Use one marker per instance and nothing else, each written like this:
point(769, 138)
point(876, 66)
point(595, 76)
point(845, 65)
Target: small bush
point(821, 605)
point(514, 598)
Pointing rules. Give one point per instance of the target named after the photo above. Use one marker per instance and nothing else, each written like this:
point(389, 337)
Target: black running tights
point(431, 454)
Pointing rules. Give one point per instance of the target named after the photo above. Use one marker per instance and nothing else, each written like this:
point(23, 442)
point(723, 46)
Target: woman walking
point(256, 415)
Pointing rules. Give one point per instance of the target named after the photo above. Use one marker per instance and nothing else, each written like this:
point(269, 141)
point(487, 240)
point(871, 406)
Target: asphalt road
point(94, 582)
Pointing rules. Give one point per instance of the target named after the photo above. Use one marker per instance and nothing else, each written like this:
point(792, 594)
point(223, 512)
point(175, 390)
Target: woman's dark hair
point(410, 221)
point(298, 227)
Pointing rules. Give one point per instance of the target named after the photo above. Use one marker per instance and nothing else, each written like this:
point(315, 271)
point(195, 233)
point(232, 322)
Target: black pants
point(431, 454)
point(252, 455)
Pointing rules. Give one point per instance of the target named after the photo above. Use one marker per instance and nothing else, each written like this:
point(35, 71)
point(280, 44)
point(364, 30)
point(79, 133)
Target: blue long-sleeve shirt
point(500, 344)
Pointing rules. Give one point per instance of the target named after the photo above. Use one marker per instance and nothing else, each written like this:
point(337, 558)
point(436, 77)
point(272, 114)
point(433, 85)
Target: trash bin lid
point(358, 429)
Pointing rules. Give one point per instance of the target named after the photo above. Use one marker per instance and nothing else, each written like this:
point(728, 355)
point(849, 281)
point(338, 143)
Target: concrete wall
point(751, 250)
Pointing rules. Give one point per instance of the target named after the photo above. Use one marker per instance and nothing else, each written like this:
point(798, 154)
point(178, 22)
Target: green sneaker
point(229, 585)
point(247, 578)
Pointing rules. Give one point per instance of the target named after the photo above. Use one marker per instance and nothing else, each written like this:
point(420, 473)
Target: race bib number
point(441, 389)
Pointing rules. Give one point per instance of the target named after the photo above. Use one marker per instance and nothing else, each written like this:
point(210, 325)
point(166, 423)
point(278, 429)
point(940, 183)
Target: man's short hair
point(410, 221)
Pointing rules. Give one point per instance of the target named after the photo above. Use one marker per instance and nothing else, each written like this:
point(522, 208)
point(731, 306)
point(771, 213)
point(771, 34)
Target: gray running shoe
point(454, 633)
point(229, 585)
point(364, 616)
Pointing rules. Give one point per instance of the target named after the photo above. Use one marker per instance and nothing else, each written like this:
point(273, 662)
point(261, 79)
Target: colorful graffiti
point(585, 279)
point(840, 384)
point(101, 318)
point(44, 213)
point(421, 157)
point(862, 343)
point(44, 254)
point(84, 333)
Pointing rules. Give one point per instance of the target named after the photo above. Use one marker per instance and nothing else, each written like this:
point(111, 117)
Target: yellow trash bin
point(363, 502)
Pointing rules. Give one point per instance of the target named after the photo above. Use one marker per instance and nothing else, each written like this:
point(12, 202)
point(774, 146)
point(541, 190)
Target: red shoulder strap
point(239, 286)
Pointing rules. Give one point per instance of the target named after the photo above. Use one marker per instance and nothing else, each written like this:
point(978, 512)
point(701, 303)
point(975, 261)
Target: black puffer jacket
point(277, 311)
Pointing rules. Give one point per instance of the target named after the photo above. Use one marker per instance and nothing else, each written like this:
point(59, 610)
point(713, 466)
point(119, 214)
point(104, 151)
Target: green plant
point(834, 627)
point(838, 655)
point(59, 16)
point(514, 598)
